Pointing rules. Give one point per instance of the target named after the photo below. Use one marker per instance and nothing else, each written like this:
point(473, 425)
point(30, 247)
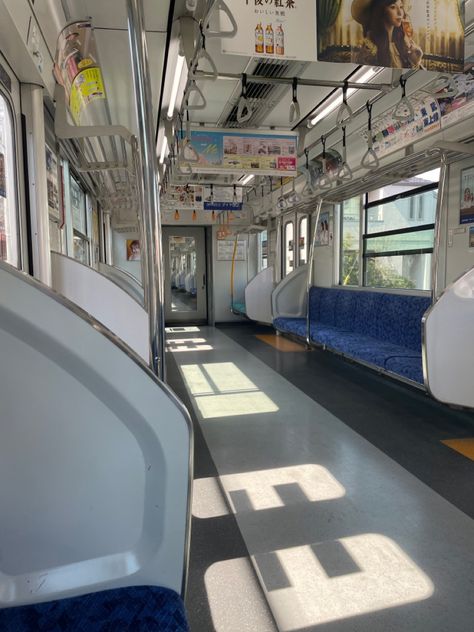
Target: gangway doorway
point(185, 274)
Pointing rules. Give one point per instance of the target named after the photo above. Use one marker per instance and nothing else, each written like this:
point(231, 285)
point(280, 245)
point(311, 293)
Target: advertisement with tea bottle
point(276, 29)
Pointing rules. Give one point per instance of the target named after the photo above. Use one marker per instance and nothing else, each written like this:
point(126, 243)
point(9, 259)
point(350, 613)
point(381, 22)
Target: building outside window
point(392, 245)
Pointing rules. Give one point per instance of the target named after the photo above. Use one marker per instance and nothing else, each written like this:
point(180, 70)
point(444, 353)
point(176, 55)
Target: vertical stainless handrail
point(277, 274)
point(443, 176)
point(149, 185)
point(144, 245)
point(309, 280)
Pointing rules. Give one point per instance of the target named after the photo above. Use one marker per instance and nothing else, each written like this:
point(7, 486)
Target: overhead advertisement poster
point(426, 34)
point(433, 112)
point(274, 29)
point(230, 151)
point(183, 197)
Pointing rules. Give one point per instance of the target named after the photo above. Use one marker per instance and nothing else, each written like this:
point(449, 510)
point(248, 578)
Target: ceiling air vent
point(263, 96)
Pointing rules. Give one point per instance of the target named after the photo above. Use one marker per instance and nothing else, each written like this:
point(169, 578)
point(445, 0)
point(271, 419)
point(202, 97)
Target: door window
point(8, 189)
point(289, 250)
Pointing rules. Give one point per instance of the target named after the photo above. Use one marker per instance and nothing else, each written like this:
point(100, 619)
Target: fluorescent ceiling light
point(362, 76)
point(164, 150)
point(175, 87)
point(247, 179)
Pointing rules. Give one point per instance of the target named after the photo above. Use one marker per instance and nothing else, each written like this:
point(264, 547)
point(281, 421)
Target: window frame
point(365, 236)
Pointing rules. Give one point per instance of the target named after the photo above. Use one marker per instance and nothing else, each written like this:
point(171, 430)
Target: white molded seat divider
point(448, 344)
point(103, 299)
point(258, 297)
point(289, 296)
point(123, 279)
point(95, 456)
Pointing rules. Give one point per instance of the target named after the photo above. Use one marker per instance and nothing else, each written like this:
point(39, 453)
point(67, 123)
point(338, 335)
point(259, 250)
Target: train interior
point(236, 306)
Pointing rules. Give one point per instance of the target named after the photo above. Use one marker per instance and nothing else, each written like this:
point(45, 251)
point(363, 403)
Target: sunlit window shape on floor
point(180, 345)
point(208, 499)
point(281, 487)
point(340, 579)
point(221, 389)
point(235, 599)
point(181, 330)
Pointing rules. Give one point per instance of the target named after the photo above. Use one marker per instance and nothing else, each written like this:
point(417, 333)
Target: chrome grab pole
point(277, 275)
point(309, 280)
point(443, 177)
point(149, 185)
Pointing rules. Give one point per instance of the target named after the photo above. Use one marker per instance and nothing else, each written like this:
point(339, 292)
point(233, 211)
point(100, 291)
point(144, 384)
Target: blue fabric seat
point(131, 609)
point(382, 329)
point(239, 307)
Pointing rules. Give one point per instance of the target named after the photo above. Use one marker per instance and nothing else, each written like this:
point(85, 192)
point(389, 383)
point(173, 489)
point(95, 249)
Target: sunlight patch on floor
point(337, 580)
point(280, 487)
point(208, 499)
point(221, 389)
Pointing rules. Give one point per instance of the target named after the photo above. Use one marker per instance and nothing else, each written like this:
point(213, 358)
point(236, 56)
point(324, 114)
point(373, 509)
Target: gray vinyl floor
point(340, 536)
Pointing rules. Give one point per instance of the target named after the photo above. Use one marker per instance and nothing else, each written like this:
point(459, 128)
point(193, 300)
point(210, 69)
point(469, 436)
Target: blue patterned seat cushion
point(132, 609)
point(379, 328)
point(296, 326)
point(410, 367)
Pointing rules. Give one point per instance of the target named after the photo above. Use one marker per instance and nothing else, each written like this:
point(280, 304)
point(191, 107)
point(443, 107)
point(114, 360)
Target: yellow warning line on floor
point(463, 446)
point(280, 343)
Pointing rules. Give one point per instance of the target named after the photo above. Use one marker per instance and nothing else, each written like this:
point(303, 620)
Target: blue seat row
point(133, 609)
point(377, 328)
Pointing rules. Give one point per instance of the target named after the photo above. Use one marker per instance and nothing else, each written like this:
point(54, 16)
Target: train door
point(185, 274)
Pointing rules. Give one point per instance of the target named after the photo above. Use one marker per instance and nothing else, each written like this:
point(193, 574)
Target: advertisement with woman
point(427, 34)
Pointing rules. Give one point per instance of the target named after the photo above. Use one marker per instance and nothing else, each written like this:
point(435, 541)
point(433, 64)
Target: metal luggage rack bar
point(105, 153)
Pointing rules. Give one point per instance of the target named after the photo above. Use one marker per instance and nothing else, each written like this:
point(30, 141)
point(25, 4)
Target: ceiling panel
point(112, 14)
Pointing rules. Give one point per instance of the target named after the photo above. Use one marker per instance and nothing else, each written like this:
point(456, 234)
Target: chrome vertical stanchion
point(144, 250)
point(309, 280)
point(149, 185)
point(278, 250)
point(443, 176)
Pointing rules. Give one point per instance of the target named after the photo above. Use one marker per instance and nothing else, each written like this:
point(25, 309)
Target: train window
point(289, 258)
point(350, 242)
point(8, 196)
point(79, 222)
point(398, 240)
point(303, 241)
point(263, 250)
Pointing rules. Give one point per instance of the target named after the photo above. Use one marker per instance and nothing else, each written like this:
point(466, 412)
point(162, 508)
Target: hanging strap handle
point(308, 191)
point(244, 109)
point(345, 111)
point(324, 182)
point(193, 87)
point(295, 112)
point(345, 172)
point(191, 5)
point(404, 109)
point(203, 55)
point(370, 160)
point(187, 152)
point(220, 5)
point(445, 83)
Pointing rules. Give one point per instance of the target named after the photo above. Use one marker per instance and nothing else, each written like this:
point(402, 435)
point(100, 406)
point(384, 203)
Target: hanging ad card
point(183, 197)
point(427, 34)
point(273, 29)
point(432, 113)
point(467, 196)
point(222, 199)
point(230, 151)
